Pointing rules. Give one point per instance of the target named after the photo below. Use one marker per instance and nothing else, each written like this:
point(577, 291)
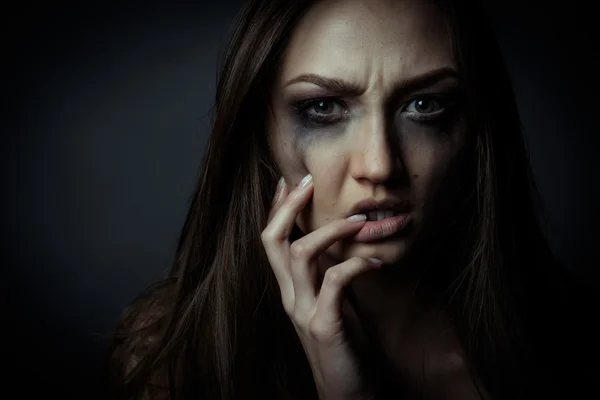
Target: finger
point(280, 226)
point(279, 263)
point(353, 323)
point(277, 259)
point(280, 193)
point(275, 241)
point(324, 262)
point(305, 251)
point(328, 315)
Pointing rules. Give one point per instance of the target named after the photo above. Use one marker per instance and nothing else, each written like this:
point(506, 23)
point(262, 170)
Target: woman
point(400, 254)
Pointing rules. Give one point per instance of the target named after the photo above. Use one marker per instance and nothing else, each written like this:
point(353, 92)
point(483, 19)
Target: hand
point(315, 308)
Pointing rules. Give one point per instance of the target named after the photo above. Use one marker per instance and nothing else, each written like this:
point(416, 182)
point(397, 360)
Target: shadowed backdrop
point(107, 108)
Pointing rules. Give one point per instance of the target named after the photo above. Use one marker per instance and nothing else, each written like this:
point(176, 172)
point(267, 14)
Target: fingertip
point(375, 262)
point(305, 182)
point(357, 218)
point(279, 192)
point(281, 182)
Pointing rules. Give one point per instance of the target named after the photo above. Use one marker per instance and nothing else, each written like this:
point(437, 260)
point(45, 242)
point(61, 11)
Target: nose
point(374, 159)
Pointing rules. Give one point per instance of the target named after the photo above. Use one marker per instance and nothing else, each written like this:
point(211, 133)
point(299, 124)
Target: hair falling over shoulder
point(204, 331)
point(215, 328)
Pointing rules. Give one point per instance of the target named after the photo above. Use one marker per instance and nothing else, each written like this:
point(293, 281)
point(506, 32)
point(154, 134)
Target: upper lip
point(387, 204)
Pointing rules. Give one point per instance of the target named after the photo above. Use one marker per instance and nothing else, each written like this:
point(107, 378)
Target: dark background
point(107, 109)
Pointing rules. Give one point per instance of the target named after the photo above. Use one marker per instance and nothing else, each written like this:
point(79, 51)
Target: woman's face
point(367, 100)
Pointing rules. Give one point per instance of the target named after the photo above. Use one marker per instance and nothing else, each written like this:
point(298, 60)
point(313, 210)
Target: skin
point(378, 146)
point(378, 151)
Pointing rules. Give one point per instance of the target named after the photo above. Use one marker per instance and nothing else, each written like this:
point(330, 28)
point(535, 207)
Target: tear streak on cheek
point(293, 168)
point(305, 137)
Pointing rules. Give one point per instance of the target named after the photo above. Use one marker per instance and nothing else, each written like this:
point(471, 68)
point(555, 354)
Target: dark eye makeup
point(320, 110)
point(429, 108)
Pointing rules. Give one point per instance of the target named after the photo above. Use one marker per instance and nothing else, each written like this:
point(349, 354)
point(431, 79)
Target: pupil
point(424, 106)
point(322, 106)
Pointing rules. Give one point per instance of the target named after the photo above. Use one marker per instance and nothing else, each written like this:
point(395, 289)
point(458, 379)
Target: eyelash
point(301, 108)
point(446, 102)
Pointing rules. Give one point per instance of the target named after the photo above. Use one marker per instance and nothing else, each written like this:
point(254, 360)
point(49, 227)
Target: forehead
point(368, 41)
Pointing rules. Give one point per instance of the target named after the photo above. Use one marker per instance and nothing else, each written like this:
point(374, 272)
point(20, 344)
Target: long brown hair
point(215, 328)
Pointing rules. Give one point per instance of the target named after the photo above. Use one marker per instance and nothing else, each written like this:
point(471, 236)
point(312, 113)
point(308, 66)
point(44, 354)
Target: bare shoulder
point(138, 332)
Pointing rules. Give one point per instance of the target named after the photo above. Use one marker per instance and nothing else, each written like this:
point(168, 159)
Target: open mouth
point(378, 215)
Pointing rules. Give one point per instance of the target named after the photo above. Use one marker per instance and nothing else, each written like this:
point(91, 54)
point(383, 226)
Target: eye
point(324, 107)
point(425, 105)
point(322, 111)
point(431, 107)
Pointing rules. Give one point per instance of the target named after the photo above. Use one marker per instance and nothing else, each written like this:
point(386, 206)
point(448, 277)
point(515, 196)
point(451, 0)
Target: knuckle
point(333, 277)
point(318, 330)
point(359, 261)
point(288, 307)
point(299, 250)
point(267, 235)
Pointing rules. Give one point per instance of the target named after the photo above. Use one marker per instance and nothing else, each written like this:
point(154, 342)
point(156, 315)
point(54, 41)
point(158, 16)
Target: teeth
point(379, 215)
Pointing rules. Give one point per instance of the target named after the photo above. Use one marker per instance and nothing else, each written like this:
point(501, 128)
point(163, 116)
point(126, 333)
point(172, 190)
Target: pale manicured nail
point(375, 261)
point(279, 190)
point(305, 181)
point(357, 217)
point(281, 183)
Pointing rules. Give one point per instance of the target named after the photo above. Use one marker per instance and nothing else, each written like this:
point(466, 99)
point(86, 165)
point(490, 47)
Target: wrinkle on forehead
point(371, 43)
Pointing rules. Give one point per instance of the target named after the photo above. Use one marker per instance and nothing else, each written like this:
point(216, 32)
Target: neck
point(407, 326)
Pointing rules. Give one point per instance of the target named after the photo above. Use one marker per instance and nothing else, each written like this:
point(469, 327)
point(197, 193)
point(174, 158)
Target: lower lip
point(377, 230)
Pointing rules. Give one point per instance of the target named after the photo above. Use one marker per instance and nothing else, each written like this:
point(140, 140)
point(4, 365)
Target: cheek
point(428, 155)
point(289, 159)
point(296, 157)
point(299, 150)
point(426, 166)
point(326, 165)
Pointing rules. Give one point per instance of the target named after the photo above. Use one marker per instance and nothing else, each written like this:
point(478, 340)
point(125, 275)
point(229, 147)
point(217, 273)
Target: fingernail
point(357, 217)
point(375, 261)
point(305, 181)
point(279, 190)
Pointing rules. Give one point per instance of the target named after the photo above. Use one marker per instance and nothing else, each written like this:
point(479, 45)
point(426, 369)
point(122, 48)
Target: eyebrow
point(344, 88)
